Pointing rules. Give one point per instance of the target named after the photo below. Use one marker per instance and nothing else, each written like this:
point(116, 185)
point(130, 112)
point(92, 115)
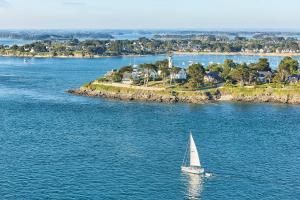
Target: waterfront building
point(294, 78)
point(212, 77)
point(127, 78)
point(151, 73)
point(264, 76)
point(181, 75)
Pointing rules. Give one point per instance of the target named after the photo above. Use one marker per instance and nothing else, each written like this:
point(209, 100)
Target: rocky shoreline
point(268, 99)
point(197, 98)
point(147, 96)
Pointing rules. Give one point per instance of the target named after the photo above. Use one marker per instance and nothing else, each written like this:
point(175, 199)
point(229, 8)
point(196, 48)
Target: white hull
point(192, 170)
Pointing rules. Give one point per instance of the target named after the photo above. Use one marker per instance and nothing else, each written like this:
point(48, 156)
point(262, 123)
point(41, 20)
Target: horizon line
point(159, 29)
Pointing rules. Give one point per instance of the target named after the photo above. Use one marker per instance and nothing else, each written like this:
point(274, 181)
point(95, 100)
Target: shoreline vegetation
point(162, 82)
point(78, 56)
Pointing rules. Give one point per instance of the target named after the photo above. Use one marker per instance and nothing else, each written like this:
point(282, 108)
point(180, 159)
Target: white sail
point(194, 156)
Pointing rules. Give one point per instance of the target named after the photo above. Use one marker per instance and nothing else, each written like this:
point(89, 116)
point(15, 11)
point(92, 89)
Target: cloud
point(73, 3)
point(4, 3)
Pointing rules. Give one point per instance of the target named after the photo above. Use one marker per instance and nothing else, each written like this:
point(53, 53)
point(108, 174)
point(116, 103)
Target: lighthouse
point(170, 62)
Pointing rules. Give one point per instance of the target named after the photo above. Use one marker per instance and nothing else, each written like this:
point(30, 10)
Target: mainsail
point(194, 157)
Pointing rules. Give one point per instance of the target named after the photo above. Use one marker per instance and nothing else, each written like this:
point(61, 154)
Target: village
point(194, 77)
point(159, 44)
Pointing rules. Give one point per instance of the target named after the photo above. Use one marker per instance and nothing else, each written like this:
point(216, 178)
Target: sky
point(150, 14)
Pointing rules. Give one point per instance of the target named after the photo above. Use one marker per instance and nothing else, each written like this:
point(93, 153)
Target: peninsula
point(230, 81)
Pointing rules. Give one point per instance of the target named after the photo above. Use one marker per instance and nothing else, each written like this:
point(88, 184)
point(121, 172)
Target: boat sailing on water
point(194, 164)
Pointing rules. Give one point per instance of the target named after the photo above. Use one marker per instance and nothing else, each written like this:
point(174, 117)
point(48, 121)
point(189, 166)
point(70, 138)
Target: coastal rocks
point(225, 97)
point(137, 96)
point(268, 98)
point(193, 98)
point(150, 96)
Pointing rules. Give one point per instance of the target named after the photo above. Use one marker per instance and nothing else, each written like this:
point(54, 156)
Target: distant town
point(94, 44)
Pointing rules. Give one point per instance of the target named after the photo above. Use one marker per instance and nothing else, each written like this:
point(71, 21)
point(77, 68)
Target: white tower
point(170, 62)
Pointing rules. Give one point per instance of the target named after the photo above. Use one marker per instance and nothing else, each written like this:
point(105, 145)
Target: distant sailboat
point(194, 165)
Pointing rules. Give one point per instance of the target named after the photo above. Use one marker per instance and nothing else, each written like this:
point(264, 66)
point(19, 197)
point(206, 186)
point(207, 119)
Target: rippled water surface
point(58, 146)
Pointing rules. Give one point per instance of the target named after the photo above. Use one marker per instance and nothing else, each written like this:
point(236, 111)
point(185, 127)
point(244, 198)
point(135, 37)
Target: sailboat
point(194, 165)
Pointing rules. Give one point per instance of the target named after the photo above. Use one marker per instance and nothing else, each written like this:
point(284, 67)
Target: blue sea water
point(58, 146)
point(10, 42)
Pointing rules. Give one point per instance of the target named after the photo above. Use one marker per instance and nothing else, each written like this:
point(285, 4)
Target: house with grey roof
point(294, 78)
point(264, 76)
point(212, 77)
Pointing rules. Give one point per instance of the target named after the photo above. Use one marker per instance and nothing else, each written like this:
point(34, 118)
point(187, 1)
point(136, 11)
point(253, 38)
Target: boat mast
point(185, 154)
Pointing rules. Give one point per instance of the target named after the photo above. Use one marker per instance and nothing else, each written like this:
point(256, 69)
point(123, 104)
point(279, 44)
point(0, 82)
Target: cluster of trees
point(287, 67)
point(144, 46)
point(144, 71)
point(246, 74)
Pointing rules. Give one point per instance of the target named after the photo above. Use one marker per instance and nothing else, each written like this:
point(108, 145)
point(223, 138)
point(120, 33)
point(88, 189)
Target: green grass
point(125, 90)
point(235, 91)
point(293, 90)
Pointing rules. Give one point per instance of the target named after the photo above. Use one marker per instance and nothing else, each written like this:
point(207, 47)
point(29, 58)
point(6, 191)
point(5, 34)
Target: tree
point(240, 73)
point(39, 47)
point(126, 69)
point(163, 66)
point(116, 77)
point(288, 66)
point(115, 47)
point(262, 65)
point(96, 50)
point(174, 70)
point(215, 68)
point(162, 63)
point(227, 67)
point(196, 73)
point(164, 72)
point(147, 68)
point(253, 76)
point(14, 47)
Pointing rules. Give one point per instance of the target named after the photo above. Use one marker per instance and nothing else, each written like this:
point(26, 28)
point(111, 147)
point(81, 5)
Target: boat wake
point(208, 175)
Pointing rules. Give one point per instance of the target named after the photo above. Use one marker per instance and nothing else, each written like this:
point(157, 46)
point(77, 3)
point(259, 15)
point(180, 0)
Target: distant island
point(53, 35)
point(229, 81)
point(67, 46)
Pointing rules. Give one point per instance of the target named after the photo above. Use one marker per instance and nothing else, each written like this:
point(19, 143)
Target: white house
point(127, 78)
point(159, 72)
point(181, 75)
point(151, 72)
